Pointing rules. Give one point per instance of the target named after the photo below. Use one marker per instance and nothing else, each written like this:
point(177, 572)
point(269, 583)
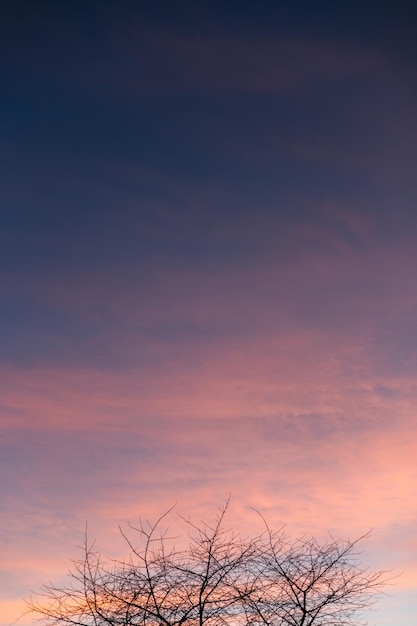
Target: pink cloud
point(276, 382)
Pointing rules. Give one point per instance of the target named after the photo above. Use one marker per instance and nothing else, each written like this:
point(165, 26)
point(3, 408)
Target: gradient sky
point(208, 276)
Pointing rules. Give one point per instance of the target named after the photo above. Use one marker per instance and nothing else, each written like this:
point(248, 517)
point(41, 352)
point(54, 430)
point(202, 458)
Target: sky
point(208, 259)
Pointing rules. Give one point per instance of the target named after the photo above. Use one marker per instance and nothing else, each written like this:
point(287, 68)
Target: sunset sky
point(208, 276)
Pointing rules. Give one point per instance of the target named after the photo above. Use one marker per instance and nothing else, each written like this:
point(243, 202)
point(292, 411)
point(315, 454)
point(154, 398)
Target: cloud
point(175, 59)
point(256, 64)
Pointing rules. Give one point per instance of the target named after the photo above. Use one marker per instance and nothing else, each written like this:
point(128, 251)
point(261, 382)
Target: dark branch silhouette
point(220, 579)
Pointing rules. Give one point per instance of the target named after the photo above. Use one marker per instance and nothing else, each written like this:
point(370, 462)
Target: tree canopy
point(219, 579)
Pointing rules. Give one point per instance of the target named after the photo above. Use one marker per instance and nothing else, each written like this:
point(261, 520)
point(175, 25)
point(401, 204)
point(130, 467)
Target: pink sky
point(299, 413)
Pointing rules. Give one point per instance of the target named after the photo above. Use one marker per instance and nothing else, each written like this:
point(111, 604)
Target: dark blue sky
point(143, 136)
point(110, 110)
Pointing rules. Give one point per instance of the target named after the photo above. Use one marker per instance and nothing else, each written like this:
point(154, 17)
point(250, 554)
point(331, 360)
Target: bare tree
point(304, 582)
point(220, 579)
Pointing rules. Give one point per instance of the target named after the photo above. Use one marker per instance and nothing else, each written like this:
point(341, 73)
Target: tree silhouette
point(220, 579)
